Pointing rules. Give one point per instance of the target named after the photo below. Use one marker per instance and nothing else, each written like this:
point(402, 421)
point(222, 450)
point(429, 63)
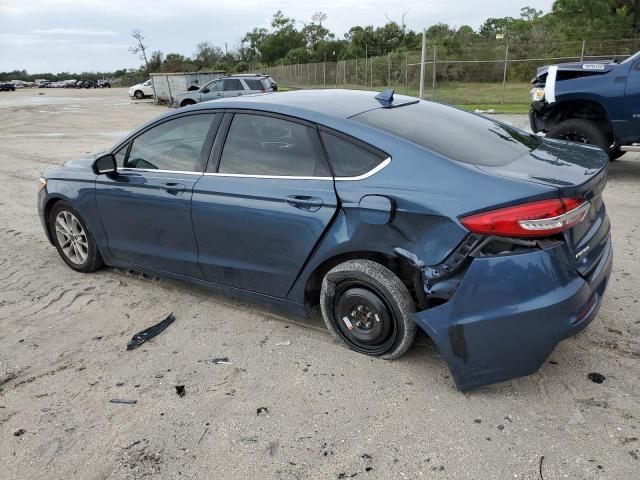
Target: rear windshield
point(453, 133)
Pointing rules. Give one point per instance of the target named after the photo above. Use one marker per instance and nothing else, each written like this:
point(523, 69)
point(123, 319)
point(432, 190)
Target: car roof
point(307, 104)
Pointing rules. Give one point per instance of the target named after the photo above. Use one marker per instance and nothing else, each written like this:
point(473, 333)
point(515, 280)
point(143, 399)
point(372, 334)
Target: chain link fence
point(484, 73)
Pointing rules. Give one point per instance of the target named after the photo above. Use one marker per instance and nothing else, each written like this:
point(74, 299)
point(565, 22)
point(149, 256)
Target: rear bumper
point(510, 312)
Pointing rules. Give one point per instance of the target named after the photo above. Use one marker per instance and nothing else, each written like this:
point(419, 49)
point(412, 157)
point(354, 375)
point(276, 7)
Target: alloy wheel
point(72, 237)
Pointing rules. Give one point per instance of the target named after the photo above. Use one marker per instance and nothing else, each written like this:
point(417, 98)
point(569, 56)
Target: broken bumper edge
point(510, 312)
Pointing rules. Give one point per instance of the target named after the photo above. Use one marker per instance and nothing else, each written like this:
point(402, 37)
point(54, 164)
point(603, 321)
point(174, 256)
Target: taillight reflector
point(534, 219)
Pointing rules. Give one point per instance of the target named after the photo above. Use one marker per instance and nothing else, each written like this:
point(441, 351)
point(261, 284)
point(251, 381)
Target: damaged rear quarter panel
point(507, 316)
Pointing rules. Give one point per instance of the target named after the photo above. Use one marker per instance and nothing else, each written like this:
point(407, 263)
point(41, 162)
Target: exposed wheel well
point(586, 109)
point(397, 265)
point(187, 102)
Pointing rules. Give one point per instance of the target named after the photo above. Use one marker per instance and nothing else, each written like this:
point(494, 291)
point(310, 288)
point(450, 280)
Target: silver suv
point(228, 86)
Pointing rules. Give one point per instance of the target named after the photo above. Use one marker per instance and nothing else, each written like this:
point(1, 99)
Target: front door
point(258, 217)
point(212, 91)
point(146, 207)
point(631, 105)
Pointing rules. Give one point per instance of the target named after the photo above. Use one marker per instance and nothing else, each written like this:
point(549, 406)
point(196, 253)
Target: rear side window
point(263, 145)
point(233, 84)
point(348, 159)
point(458, 135)
point(173, 145)
point(254, 84)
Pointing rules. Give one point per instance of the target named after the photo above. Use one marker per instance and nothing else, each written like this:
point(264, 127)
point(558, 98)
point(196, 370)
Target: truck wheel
point(583, 131)
point(368, 309)
point(615, 154)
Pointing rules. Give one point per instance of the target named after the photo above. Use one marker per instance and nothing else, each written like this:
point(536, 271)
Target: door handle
point(305, 202)
point(173, 188)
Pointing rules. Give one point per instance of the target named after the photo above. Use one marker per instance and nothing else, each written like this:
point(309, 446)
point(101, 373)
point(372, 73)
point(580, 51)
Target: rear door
point(263, 204)
point(146, 207)
point(233, 87)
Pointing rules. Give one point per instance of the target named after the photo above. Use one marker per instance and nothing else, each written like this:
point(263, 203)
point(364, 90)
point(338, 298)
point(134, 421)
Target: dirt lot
point(328, 413)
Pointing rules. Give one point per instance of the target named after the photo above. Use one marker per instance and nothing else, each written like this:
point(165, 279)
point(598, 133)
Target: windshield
point(454, 133)
point(632, 58)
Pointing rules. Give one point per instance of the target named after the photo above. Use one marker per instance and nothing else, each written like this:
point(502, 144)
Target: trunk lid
point(577, 171)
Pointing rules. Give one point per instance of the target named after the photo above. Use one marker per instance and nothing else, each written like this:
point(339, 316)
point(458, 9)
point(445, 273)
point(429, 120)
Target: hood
point(556, 163)
point(81, 162)
point(599, 67)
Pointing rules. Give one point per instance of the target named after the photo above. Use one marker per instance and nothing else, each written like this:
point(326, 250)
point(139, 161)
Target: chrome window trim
point(131, 169)
point(370, 173)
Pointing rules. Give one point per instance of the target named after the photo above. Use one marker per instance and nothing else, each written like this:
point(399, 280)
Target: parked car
point(7, 86)
point(142, 90)
point(590, 102)
point(224, 87)
point(497, 247)
point(104, 84)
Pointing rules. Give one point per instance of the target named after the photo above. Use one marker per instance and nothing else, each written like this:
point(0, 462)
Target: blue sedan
point(390, 213)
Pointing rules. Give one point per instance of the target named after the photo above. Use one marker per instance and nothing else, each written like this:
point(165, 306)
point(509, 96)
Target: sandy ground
point(328, 413)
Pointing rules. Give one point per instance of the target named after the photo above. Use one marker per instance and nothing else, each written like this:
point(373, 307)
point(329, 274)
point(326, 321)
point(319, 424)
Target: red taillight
point(535, 219)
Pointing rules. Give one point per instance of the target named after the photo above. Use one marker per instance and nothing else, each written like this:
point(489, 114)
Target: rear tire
point(72, 239)
point(138, 94)
point(584, 131)
point(368, 309)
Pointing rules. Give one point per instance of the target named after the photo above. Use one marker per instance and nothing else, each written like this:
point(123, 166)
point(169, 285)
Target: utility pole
point(423, 59)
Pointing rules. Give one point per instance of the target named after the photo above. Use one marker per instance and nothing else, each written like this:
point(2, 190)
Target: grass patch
point(515, 108)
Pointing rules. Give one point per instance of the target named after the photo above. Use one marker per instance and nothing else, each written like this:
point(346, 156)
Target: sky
point(77, 36)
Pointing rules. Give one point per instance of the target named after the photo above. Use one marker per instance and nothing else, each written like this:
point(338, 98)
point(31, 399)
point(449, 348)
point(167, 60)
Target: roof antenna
point(386, 97)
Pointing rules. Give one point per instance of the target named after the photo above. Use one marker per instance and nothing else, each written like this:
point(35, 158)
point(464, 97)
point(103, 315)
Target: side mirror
point(105, 165)
point(206, 90)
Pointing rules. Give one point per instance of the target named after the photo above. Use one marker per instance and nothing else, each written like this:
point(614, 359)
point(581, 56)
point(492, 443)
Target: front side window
point(232, 85)
point(215, 86)
point(347, 159)
point(120, 155)
point(173, 145)
point(263, 145)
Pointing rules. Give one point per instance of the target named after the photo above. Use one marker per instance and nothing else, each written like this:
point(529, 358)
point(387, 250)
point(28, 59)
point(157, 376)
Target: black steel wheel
point(368, 309)
point(584, 131)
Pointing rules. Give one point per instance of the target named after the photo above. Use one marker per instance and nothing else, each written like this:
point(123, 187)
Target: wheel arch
point(397, 265)
point(588, 109)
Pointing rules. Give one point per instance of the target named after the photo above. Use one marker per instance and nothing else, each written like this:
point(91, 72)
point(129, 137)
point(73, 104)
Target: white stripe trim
point(550, 84)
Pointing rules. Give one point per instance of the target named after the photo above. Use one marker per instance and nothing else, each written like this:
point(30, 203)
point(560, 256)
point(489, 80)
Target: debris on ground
point(540, 467)
point(286, 343)
point(123, 401)
point(596, 377)
point(477, 110)
point(19, 433)
point(477, 420)
point(181, 390)
point(273, 447)
point(222, 361)
point(262, 410)
point(146, 335)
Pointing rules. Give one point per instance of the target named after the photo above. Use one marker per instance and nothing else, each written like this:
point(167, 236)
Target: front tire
point(368, 309)
point(584, 131)
point(72, 239)
point(186, 103)
point(138, 94)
